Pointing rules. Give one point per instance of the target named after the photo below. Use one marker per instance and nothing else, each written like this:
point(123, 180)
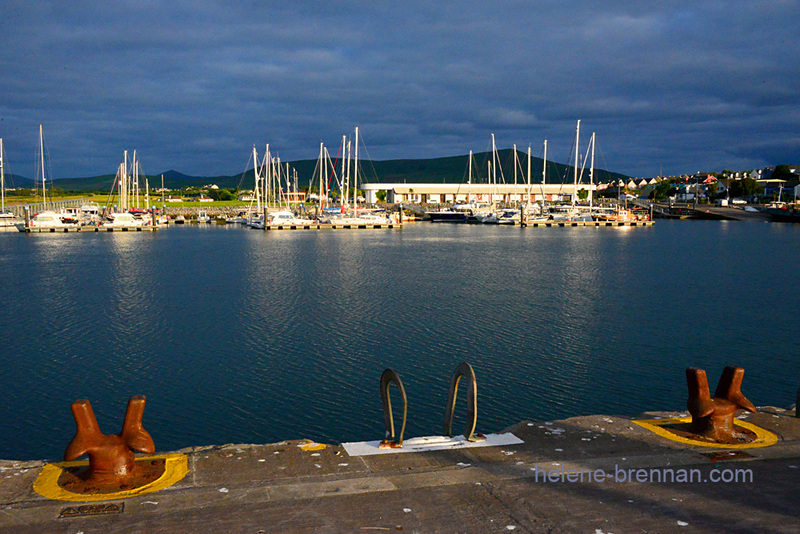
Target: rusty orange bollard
point(712, 417)
point(111, 457)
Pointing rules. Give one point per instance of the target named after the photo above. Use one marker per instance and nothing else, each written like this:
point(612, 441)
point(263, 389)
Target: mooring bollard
point(111, 457)
point(712, 417)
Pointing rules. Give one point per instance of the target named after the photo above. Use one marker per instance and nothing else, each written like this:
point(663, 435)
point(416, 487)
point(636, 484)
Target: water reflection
point(238, 335)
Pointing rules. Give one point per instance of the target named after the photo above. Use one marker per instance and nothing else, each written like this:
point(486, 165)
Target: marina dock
point(592, 474)
point(328, 226)
point(73, 229)
point(597, 224)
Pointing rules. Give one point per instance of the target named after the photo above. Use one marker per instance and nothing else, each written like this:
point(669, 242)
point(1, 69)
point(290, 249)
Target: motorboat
point(51, 220)
point(238, 219)
point(286, 218)
point(502, 216)
point(123, 220)
point(255, 221)
point(89, 214)
point(460, 212)
point(360, 218)
point(9, 220)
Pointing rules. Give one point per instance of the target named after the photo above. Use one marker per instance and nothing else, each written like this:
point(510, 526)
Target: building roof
point(428, 189)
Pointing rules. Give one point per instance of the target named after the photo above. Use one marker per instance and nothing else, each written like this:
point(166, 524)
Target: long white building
point(449, 193)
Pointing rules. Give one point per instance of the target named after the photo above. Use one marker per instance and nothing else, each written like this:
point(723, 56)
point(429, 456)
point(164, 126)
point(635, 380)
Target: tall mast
point(494, 171)
point(44, 180)
point(267, 177)
point(591, 175)
point(321, 174)
point(544, 165)
point(544, 176)
point(342, 186)
point(469, 180)
point(355, 179)
point(276, 185)
point(575, 184)
point(347, 183)
point(255, 181)
point(136, 179)
point(276, 189)
point(123, 187)
point(2, 180)
point(327, 157)
point(528, 199)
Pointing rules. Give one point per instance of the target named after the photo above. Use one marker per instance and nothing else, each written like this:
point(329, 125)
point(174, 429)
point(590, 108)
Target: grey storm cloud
point(682, 86)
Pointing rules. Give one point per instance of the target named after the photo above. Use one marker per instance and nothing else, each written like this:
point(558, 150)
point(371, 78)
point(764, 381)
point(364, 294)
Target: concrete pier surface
point(595, 474)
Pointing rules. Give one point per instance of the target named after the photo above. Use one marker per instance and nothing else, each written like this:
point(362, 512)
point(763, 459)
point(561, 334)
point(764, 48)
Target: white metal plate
point(430, 443)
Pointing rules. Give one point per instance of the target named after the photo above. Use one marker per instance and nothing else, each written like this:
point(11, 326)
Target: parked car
point(738, 201)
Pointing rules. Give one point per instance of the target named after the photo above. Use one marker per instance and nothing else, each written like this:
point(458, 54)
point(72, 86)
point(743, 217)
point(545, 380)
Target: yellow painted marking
point(176, 466)
point(764, 438)
point(312, 446)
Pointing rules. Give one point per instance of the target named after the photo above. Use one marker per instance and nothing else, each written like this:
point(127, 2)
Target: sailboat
point(283, 217)
point(366, 217)
point(571, 212)
point(255, 218)
point(7, 219)
point(48, 218)
point(127, 213)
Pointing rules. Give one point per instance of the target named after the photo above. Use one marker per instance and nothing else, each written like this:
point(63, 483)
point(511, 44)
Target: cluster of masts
point(328, 176)
point(276, 185)
point(127, 184)
point(579, 167)
point(270, 177)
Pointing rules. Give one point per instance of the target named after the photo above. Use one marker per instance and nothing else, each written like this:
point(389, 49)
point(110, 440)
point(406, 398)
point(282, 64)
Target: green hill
point(451, 169)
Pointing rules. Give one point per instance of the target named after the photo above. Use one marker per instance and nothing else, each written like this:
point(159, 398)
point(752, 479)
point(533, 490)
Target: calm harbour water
point(243, 336)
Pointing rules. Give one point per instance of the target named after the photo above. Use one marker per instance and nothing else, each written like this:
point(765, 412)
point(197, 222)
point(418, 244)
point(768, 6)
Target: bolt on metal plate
point(92, 509)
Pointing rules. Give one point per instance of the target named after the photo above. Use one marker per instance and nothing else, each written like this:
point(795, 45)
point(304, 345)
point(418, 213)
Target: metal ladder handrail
point(391, 440)
point(464, 369)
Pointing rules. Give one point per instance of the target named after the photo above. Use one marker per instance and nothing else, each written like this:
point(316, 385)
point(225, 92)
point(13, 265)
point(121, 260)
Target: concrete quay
point(299, 487)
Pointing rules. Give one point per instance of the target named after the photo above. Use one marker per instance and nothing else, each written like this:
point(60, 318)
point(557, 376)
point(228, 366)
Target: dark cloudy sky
point(193, 85)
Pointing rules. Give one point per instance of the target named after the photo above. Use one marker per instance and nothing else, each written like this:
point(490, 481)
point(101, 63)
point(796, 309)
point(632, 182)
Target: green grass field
point(102, 198)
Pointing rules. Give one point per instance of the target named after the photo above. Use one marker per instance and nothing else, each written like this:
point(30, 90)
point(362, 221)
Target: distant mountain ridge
point(450, 169)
